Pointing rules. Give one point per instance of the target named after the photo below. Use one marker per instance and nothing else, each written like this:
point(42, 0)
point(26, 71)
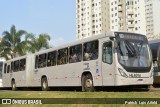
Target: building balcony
point(131, 26)
point(130, 7)
point(130, 29)
point(120, 9)
point(130, 12)
point(120, 22)
point(121, 28)
point(120, 3)
point(120, 14)
point(131, 19)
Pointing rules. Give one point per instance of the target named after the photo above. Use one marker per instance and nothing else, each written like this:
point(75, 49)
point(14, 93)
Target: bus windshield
point(133, 51)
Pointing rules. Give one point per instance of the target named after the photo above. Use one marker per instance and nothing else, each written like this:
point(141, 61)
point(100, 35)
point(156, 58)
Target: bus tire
point(87, 83)
point(44, 84)
point(13, 84)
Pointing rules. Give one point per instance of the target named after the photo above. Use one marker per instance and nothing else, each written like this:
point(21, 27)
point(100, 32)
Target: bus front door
point(107, 64)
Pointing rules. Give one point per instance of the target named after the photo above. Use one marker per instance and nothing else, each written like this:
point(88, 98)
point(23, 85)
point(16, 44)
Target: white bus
point(155, 48)
point(110, 59)
point(1, 66)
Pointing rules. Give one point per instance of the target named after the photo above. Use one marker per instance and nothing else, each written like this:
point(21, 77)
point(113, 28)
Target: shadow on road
point(97, 89)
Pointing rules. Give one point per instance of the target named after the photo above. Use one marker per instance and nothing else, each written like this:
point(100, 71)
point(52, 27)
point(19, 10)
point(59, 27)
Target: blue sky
point(55, 17)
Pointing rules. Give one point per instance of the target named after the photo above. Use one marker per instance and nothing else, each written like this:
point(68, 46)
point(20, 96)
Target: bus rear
point(134, 60)
point(1, 65)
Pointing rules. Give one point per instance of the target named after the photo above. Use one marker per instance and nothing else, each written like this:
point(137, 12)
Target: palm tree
point(11, 43)
point(34, 44)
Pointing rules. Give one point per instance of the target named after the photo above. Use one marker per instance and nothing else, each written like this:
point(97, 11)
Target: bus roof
point(17, 58)
point(77, 42)
point(154, 41)
point(107, 34)
point(2, 59)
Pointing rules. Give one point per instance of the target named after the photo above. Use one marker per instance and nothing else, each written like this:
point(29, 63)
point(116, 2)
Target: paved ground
point(152, 89)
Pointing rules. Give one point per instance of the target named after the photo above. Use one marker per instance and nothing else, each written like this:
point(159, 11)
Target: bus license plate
point(140, 81)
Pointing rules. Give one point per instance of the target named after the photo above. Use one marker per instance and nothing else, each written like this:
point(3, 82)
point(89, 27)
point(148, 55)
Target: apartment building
point(91, 17)
point(98, 16)
point(152, 17)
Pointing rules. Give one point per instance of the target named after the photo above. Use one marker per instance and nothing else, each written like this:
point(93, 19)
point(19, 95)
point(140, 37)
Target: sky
point(54, 17)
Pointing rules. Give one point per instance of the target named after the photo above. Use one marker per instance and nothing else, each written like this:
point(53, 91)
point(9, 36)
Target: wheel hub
point(88, 83)
point(44, 84)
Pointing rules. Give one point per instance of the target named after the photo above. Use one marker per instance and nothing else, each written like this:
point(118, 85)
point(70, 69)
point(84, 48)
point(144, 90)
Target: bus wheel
point(13, 83)
point(44, 84)
point(87, 83)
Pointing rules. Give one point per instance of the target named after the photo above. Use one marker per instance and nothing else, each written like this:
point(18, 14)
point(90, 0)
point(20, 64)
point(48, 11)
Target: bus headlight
point(152, 72)
point(151, 75)
point(122, 73)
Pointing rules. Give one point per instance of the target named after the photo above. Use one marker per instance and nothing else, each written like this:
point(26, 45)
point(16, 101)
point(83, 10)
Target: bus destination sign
point(131, 36)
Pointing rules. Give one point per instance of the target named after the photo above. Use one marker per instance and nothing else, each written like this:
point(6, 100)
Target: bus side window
point(16, 66)
point(5, 68)
point(22, 64)
point(8, 68)
point(75, 54)
point(52, 56)
point(42, 60)
point(107, 52)
point(90, 50)
point(36, 62)
point(62, 56)
point(12, 66)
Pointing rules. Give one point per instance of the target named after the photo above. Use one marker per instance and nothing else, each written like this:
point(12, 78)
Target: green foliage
point(36, 44)
point(12, 45)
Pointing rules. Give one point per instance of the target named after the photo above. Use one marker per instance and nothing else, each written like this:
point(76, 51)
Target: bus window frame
point(15, 67)
point(69, 54)
point(5, 68)
point(54, 63)
point(36, 61)
point(111, 53)
point(12, 66)
point(67, 58)
point(23, 68)
point(8, 69)
point(42, 64)
point(84, 52)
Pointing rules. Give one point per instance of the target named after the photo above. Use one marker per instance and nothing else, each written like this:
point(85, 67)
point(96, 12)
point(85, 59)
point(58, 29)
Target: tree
point(34, 44)
point(11, 44)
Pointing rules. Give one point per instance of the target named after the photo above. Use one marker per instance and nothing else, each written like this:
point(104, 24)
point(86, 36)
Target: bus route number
point(134, 75)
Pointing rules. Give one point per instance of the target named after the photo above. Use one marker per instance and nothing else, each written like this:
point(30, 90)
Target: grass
point(66, 94)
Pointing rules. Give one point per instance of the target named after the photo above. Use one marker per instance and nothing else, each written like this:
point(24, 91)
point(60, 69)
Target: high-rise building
point(152, 17)
point(91, 17)
point(98, 16)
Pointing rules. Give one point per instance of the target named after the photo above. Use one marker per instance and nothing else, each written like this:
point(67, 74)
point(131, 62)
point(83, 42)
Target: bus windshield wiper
point(131, 49)
point(139, 50)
